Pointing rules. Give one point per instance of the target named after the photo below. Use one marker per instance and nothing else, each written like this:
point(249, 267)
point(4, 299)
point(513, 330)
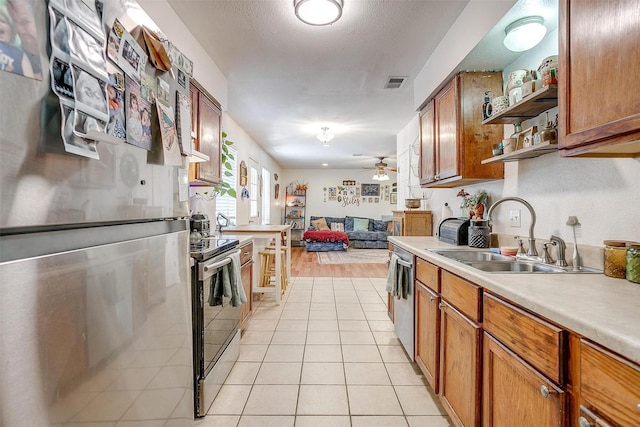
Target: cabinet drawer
point(609, 385)
point(427, 274)
point(463, 295)
point(536, 341)
point(246, 253)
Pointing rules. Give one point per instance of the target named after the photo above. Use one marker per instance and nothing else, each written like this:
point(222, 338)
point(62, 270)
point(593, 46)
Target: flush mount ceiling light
point(318, 12)
point(325, 137)
point(524, 33)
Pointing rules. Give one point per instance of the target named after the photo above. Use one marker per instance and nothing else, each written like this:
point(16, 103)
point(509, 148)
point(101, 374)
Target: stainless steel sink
point(515, 267)
point(490, 262)
point(465, 255)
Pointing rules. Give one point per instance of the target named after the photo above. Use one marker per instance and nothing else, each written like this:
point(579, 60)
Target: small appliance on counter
point(200, 222)
point(454, 231)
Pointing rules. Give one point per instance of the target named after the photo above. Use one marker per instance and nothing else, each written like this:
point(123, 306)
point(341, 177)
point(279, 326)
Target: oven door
point(215, 328)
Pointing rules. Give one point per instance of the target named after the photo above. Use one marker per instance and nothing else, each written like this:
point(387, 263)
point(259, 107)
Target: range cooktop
point(210, 247)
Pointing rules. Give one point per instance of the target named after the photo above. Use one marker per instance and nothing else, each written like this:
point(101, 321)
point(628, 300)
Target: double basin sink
point(491, 262)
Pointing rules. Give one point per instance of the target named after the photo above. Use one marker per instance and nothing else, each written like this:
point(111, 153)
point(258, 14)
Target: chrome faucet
point(532, 241)
point(562, 246)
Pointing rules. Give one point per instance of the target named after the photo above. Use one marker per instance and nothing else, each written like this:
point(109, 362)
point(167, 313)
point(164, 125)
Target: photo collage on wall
point(19, 40)
point(353, 193)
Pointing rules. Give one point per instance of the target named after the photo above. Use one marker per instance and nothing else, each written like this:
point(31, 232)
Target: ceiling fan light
point(524, 33)
point(318, 12)
point(325, 136)
point(384, 177)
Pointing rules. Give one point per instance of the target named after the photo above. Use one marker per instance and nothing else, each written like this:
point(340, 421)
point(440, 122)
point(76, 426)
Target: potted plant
point(473, 206)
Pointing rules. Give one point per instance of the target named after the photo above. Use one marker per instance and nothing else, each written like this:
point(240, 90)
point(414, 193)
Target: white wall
point(318, 180)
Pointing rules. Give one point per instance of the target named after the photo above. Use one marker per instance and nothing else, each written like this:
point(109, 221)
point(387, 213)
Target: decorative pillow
point(320, 224)
point(360, 224)
point(337, 226)
point(380, 225)
point(349, 223)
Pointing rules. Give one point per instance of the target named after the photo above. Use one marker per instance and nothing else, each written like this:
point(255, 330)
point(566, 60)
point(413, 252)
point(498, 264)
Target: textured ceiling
point(287, 79)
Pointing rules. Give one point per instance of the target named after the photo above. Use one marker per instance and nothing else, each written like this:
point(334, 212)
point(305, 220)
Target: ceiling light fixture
point(325, 137)
point(524, 33)
point(318, 12)
point(381, 175)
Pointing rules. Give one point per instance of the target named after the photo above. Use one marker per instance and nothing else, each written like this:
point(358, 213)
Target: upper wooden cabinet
point(206, 124)
point(453, 141)
point(598, 78)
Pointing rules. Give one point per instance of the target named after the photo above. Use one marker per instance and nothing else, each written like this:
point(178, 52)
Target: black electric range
point(210, 247)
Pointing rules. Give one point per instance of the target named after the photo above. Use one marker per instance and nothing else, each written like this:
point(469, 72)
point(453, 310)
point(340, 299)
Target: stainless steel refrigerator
point(95, 316)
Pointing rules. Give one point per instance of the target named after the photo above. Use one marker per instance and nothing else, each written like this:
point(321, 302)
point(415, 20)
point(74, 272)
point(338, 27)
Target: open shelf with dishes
point(524, 153)
point(528, 108)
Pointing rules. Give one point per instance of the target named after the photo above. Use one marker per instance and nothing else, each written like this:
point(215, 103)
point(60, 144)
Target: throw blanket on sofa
point(325, 236)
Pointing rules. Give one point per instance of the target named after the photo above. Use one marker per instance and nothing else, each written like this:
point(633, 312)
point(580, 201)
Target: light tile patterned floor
point(327, 356)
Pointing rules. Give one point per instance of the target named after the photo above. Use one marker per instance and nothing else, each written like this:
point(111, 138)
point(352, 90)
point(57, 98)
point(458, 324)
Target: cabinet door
point(208, 140)
point(447, 149)
point(515, 394)
point(417, 224)
point(428, 334)
point(460, 364)
point(427, 144)
point(598, 78)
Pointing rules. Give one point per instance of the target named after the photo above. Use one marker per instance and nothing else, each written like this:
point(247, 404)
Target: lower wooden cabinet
point(428, 334)
point(609, 386)
point(515, 394)
point(460, 364)
point(246, 273)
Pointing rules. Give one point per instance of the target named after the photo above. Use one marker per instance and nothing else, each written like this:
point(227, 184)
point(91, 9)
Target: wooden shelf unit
point(528, 108)
point(524, 153)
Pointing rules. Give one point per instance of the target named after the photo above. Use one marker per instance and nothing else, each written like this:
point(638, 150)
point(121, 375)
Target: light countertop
point(600, 308)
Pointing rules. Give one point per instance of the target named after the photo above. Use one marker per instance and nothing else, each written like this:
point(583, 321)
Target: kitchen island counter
point(600, 308)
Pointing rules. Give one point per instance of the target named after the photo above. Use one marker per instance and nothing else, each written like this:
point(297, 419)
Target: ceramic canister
point(499, 103)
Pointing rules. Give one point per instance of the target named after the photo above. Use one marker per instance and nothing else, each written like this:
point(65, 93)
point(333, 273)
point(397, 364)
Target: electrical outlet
point(514, 217)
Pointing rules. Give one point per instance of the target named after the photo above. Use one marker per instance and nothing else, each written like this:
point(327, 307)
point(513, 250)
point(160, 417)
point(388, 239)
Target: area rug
point(354, 256)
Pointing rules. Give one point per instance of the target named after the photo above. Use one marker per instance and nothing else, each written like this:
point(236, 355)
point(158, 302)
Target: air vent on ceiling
point(395, 82)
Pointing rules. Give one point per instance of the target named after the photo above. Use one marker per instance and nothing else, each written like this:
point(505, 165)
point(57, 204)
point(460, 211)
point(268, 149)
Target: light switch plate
point(514, 217)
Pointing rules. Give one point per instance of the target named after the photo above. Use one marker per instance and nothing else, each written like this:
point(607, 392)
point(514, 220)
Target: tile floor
point(327, 356)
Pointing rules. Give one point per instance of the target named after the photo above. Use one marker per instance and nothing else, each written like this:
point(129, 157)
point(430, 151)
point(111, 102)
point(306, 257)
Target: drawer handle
point(583, 422)
point(544, 391)
point(638, 406)
point(245, 253)
point(441, 306)
point(432, 299)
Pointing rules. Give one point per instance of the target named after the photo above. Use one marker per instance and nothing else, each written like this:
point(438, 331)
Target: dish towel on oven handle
point(397, 278)
point(227, 282)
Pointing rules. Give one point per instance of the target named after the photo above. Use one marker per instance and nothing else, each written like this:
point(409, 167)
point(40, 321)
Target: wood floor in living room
point(305, 264)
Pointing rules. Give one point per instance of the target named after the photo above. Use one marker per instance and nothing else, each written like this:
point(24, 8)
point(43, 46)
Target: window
point(266, 196)
point(253, 190)
point(226, 204)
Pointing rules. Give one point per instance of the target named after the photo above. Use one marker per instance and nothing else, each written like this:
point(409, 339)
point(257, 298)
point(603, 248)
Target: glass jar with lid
point(615, 258)
point(633, 262)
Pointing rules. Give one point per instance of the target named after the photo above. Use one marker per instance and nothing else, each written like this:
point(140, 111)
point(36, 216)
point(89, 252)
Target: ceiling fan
point(381, 169)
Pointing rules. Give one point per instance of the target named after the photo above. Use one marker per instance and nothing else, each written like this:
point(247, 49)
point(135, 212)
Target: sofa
point(362, 233)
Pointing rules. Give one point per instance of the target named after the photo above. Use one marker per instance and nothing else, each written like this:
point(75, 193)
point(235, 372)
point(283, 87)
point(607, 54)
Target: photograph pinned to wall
point(370, 189)
point(90, 92)
point(19, 46)
point(131, 57)
point(148, 87)
point(61, 78)
point(168, 135)
point(113, 42)
point(183, 122)
point(73, 143)
point(179, 60)
point(182, 78)
point(138, 112)
point(163, 90)
point(115, 91)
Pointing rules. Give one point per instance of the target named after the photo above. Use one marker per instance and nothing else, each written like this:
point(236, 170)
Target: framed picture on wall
point(393, 199)
point(370, 190)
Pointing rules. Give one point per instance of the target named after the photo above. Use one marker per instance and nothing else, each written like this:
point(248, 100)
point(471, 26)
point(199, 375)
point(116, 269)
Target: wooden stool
point(268, 270)
point(285, 250)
